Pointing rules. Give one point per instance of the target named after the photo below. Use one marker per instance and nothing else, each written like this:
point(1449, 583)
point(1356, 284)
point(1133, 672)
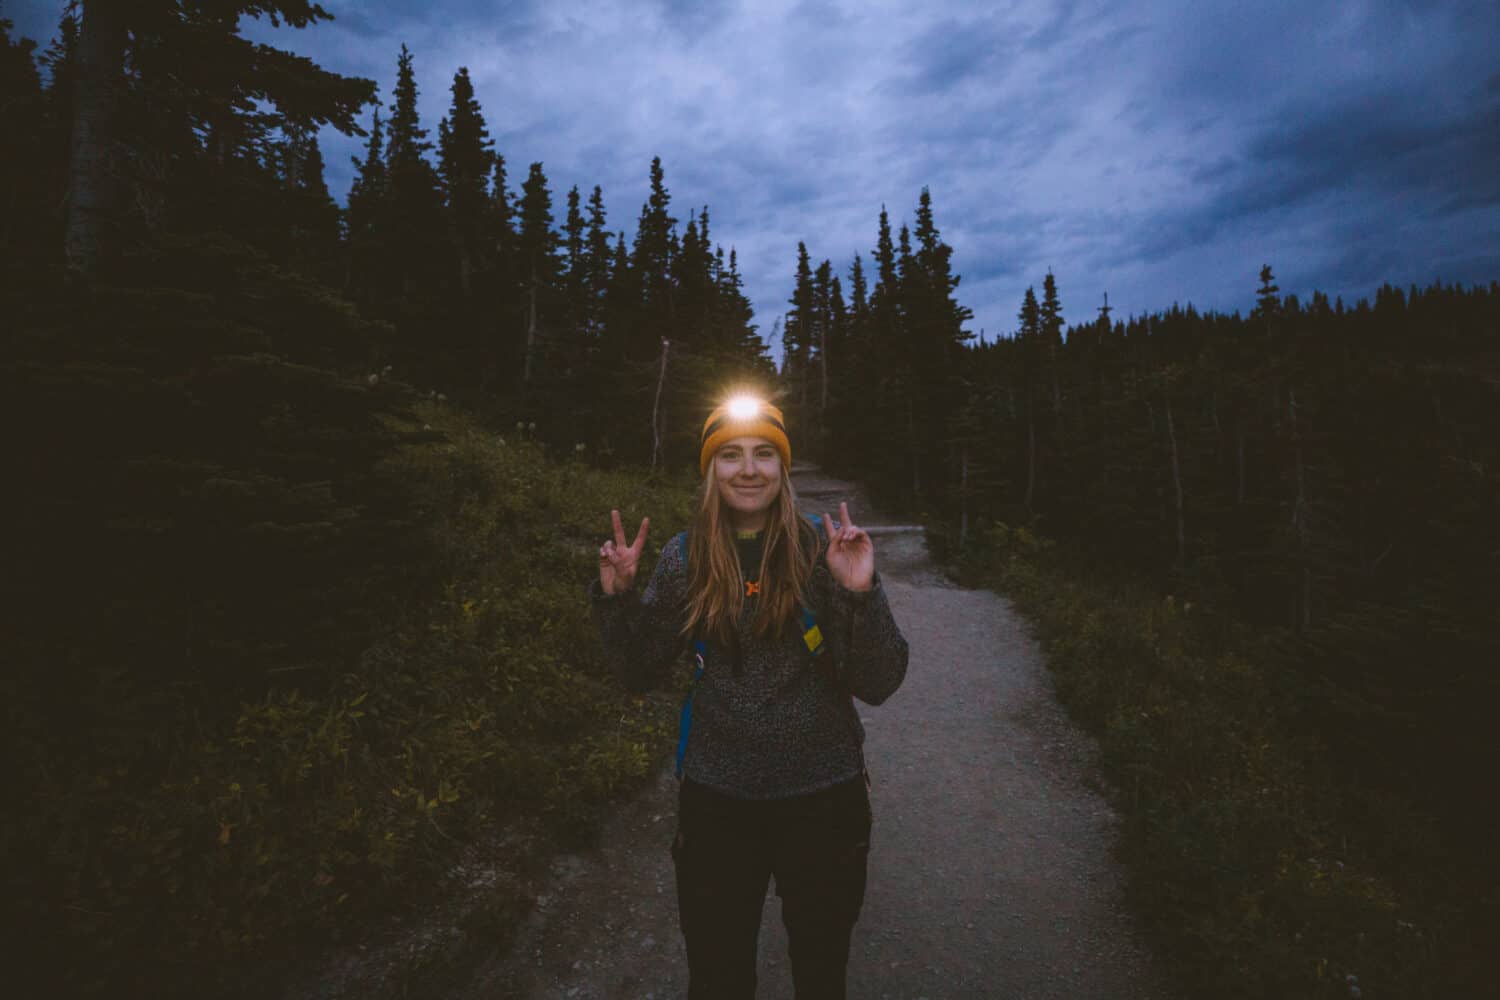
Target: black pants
point(727, 849)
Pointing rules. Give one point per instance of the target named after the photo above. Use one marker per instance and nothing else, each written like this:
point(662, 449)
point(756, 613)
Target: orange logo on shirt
point(752, 588)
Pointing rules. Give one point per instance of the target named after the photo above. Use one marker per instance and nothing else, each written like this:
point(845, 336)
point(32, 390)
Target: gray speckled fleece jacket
point(779, 726)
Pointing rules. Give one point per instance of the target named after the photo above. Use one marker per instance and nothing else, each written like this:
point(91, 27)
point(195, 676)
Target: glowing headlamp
point(742, 408)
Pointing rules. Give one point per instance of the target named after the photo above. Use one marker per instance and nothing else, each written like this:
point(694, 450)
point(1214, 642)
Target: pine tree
point(537, 257)
point(797, 333)
point(93, 203)
point(365, 223)
point(596, 261)
point(180, 117)
point(652, 255)
point(823, 332)
point(465, 152)
point(576, 295)
point(61, 63)
point(23, 115)
point(692, 277)
point(414, 197)
point(1051, 330)
point(879, 420)
point(935, 335)
point(858, 289)
point(746, 352)
point(503, 324)
point(1267, 298)
point(313, 218)
point(1030, 337)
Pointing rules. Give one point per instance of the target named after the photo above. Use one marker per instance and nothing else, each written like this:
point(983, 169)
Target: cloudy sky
point(1158, 151)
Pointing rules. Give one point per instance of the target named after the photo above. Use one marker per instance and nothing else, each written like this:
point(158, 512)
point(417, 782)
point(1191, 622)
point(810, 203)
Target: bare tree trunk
point(823, 363)
point(656, 415)
point(963, 497)
point(1239, 440)
point(1303, 615)
point(1177, 490)
point(1030, 452)
point(526, 368)
point(911, 437)
point(802, 355)
point(91, 175)
point(1213, 411)
point(1056, 389)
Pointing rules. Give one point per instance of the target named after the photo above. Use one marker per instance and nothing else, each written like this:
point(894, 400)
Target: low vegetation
point(239, 832)
point(1259, 866)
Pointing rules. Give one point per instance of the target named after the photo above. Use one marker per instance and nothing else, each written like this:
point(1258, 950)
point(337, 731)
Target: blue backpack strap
point(700, 652)
point(685, 719)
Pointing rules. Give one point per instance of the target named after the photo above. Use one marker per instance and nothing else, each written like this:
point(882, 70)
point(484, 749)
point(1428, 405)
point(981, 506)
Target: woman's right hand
point(618, 561)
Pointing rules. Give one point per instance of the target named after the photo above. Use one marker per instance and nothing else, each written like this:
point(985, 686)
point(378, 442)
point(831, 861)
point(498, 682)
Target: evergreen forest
point(273, 450)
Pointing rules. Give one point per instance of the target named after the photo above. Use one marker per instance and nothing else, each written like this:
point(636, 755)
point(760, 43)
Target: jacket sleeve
point(871, 653)
point(641, 632)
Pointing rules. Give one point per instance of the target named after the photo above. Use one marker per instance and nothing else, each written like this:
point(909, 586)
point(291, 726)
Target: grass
point(280, 828)
point(1258, 870)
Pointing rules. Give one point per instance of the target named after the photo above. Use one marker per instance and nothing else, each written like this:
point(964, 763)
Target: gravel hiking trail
point(990, 869)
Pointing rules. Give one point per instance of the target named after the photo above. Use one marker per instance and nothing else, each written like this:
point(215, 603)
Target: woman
point(789, 623)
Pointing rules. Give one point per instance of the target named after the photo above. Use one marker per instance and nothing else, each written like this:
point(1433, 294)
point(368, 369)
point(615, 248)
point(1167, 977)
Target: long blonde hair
point(716, 590)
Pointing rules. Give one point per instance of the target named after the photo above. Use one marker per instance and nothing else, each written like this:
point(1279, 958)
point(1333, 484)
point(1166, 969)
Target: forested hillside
point(305, 497)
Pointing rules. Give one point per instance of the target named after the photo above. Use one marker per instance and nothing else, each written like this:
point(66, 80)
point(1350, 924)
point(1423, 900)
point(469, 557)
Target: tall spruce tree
point(1029, 337)
point(537, 258)
point(651, 261)
point(415, 203)
point(797, 333)
point(365, 225)
point(23, 119)
point(1052, 335)
point(465, 154)
point(312, 217)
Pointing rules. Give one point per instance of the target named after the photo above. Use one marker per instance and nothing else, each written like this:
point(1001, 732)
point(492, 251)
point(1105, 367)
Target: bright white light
point(743, 408)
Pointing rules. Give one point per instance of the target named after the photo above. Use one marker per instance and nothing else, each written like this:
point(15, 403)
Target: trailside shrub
point(236, 831)
point(1259, 867)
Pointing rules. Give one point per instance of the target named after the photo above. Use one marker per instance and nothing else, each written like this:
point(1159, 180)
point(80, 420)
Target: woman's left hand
point(851, 554)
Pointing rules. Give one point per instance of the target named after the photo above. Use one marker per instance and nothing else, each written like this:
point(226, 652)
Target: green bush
point(229, 833)
point(1258, 870)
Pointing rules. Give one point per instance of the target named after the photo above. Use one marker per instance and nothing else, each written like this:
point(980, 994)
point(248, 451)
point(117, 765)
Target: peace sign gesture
point(618, 561)
point(851, 554)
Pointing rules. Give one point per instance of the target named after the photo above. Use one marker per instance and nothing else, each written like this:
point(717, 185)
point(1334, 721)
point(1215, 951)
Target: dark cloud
point(947, 53)
point(693, 18)
point(1160, 151)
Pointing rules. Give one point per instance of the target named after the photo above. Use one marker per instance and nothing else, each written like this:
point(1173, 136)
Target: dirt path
point(990, 870)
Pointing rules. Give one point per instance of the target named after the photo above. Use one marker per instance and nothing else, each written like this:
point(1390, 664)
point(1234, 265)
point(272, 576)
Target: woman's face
point(748, 473)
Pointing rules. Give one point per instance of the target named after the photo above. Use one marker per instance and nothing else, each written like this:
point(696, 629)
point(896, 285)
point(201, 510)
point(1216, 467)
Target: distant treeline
point(1330, 470)
point(1326, 473)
